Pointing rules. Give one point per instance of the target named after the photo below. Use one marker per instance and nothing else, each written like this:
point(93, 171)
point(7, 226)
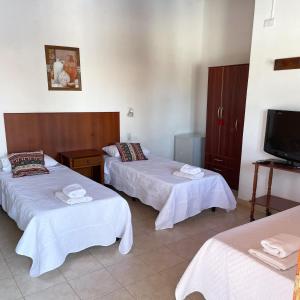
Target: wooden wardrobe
point(227, 89)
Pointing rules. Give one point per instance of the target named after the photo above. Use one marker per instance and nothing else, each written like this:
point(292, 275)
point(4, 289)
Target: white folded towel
point(281, 245)
point(189, 176)
point(275, 262)
point(74, 191)
point(61, 196)
point(188, 169)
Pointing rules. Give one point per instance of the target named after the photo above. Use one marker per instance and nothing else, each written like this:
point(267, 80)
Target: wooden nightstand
point(86, 162)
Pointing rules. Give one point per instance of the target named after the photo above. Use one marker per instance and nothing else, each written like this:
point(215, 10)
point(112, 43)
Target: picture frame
point(63, 68)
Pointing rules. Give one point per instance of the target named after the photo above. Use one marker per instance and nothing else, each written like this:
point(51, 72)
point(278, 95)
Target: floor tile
point(130, 271)
point(160, 259)
point(9, 290)
point(121, 294)
point(146, 242)
point(8, 246)
point(4, 270)
point(30, 285)
point(79, 264)
point(202, 237)
point(109, 256)
point(197, 224)
point(152, 287)
point(94, 285)
point(60, 291)
point(172, 275)
point(19, 264)
point(185, 248)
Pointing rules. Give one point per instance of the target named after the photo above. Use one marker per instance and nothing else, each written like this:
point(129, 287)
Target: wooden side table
point(269, 201)
point(86, 162)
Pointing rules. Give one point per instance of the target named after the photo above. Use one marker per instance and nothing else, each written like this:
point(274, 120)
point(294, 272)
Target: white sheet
point(152, 181)
point(53, 229)
point(223, 268)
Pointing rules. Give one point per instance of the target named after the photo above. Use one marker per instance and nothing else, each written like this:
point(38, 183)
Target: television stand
point(279, 162)
point(269, 201)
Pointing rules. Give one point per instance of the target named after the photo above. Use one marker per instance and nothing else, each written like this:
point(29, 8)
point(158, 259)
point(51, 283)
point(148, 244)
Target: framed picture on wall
point(63, 68)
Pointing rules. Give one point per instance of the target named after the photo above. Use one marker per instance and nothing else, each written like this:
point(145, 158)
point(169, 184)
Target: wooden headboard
point(58, 132)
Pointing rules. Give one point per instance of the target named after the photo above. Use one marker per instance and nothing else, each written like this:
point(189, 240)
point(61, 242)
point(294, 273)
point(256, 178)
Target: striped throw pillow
point(130, 151)
point(27, 163)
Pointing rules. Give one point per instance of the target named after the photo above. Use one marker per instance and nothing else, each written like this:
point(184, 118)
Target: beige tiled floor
point(150, 271)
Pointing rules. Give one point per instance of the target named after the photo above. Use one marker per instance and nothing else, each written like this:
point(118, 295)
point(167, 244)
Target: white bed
point(53, 229)
point(223, 269)
point(176, 198)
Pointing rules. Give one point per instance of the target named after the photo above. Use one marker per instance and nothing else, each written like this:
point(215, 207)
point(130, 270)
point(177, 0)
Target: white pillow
point(113, 151)
point(49, 161)
point(145, 151)
point(5, 165)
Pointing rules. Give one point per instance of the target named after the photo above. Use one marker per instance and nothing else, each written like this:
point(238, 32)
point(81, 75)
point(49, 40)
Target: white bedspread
point(223, 269)
point(152, 181)
point(52, 229)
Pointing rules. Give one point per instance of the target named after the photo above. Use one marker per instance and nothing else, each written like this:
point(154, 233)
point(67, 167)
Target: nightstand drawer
point(87, 161)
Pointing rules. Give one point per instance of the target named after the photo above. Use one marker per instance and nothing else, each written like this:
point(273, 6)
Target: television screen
point(282, 137)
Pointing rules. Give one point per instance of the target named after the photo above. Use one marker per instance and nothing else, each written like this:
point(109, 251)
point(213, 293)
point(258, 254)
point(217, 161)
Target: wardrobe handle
point(236, 125)
point(218, 160)
point(219, 112)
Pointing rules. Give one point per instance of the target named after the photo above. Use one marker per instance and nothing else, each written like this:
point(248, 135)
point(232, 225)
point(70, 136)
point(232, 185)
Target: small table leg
point(254, 193)
point(268, 212)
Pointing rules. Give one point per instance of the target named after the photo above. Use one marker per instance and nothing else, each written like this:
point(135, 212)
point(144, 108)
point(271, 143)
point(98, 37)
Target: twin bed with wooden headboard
point(31, 201)
point(52, 228)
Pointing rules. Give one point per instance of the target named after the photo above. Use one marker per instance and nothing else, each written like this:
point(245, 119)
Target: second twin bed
point(176, 198)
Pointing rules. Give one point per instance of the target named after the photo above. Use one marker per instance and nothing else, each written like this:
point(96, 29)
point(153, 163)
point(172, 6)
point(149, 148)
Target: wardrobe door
point(214, 98)
point(232, 113)
point(228, 110)
point(239, 111)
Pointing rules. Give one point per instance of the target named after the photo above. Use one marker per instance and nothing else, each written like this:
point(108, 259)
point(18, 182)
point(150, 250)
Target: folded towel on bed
point(189, 176)
point(275, 262)
point(61, 196)
point(74, 191)
point(188, 169)
point(281, 245)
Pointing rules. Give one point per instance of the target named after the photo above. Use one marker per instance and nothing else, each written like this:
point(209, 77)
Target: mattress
point(223, 269)
point(53, 229)
point(152, 182)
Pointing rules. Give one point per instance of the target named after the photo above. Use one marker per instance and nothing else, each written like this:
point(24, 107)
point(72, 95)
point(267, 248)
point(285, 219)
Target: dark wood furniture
point(269, 201)
point(226, 98)
point(86, 162)
point(60, 132)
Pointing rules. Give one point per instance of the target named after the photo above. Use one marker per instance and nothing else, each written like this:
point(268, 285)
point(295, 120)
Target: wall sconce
point(130, 113)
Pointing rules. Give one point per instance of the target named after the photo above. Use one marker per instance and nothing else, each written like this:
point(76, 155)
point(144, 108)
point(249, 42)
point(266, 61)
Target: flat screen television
point(282, 137)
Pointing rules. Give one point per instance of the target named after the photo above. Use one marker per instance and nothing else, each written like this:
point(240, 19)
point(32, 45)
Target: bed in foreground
point(53, 229)
point(223, 269)
point(152, 182)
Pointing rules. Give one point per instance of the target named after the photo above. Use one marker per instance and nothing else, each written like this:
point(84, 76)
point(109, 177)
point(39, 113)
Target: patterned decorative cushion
point(297, 282)
point(131, 151)
point(27, 163)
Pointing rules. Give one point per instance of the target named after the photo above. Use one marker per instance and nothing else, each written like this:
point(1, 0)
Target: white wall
point(133, 53)
point(226, 39)
point(270, 89)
